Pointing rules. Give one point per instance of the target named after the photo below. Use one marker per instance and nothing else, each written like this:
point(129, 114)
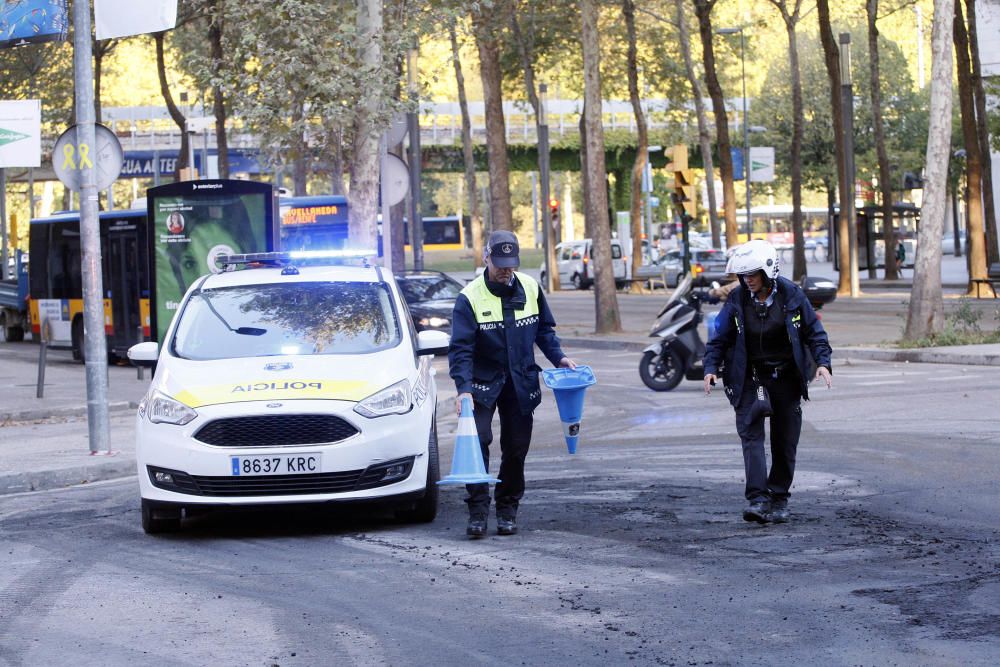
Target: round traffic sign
point(70, 158)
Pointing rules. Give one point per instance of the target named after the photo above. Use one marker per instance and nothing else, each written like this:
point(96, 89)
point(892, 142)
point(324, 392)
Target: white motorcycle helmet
point(754, 256)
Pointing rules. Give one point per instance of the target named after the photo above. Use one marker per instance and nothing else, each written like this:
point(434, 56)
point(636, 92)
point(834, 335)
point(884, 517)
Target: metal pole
point(747, 165)
point(95, 345)
point(534, 204)
point(3, 223)
point(383, 153)
point(647, 178)
point(413, 121)
point(543, 178)
point(847, 207)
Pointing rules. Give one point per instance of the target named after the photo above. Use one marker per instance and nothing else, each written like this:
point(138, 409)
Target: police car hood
point(340, 377)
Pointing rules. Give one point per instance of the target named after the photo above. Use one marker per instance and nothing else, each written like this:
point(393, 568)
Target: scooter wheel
point(661, 372)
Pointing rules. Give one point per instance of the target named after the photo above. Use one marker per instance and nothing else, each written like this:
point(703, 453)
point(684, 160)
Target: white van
point(575, 260)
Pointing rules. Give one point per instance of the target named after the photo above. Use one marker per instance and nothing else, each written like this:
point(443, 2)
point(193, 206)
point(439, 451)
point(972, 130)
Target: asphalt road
point(632, 551)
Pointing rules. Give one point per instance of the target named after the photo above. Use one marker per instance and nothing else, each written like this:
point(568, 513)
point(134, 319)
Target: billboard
point(195, 222)
point(32, 21)
point(21, 133)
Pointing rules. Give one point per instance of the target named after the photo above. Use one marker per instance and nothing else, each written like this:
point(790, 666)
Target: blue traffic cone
point(568, 386)
point(467, 465)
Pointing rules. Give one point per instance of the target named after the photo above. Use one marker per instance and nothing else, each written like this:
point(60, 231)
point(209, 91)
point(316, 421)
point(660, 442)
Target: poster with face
point(195, 223)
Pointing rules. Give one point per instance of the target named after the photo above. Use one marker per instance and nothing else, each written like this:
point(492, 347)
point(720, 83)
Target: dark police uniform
point(782, 344)
point(494, 330)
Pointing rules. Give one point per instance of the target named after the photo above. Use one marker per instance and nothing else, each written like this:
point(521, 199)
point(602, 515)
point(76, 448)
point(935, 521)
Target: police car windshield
point(293, 319)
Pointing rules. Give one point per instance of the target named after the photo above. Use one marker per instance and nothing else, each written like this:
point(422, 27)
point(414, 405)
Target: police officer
point(768, 335)
point(498, 319)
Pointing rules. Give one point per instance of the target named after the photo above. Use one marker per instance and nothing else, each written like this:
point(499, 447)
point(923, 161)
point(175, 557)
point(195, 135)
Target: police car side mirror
point(144, 354)
point(433, 342)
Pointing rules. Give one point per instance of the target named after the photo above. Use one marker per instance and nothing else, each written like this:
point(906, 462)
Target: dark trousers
point(515, 437)
point(786, 425)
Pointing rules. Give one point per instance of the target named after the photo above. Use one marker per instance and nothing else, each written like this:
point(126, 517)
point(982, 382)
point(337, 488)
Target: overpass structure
point(151, 139)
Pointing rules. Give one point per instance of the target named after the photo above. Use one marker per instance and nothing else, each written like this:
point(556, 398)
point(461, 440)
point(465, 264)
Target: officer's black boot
point(506, 524)
point(779, 511)
point(477, 526)
point(759, 511)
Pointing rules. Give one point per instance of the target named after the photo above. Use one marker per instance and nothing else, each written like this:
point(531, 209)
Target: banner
point(761, 164)
point(32, 21)
point(123, 18)
point(20, 133)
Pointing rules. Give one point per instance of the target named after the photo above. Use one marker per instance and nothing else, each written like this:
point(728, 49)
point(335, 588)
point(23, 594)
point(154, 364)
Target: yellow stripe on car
point(267, 390)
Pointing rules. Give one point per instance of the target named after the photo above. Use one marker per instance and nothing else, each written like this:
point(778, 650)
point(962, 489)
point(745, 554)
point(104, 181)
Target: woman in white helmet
point(769, 336)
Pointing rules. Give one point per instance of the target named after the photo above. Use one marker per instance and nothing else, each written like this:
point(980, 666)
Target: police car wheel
point(661, 374)
point(425, 509)
point(160, 518)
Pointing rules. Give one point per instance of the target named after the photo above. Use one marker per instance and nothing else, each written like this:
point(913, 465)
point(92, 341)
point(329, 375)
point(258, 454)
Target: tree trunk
point(362, 199)
point(218, 99)
point(641, 149)
point(703, 9)
point(982, 132)
point(791, 19)
point(608, 318)
point(485, 22)
point(884, 177)
point(168, 99)
point(704, 133)
point(926, 311)
point(973, 158)
point(299, 156)
point(831, 56)
point(471, 190)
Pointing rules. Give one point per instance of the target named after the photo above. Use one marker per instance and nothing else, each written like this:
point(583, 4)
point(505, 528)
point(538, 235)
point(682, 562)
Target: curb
point(52, 413)
point(46, 480)
point(919, 356)
point(606, 343)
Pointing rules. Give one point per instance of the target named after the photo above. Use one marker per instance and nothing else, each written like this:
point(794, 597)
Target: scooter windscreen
point(680, 292)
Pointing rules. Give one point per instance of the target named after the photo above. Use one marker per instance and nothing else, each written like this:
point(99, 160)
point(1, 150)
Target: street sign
point(761, 164)
point(20, 133)
point(70, 158)
point(396, 179)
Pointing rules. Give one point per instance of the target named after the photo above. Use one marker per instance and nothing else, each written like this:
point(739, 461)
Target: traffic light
point(684, 191)
point(554, 211)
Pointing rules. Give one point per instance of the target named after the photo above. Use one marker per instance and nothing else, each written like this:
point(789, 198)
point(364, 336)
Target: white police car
point(281, 381)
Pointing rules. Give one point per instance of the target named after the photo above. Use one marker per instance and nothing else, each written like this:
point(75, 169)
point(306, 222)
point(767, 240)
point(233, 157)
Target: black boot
point(779, 512)
point(477, 526)
point(506, 524)
point(758, 511)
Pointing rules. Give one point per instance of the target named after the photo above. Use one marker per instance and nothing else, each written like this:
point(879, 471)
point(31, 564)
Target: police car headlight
point(165, 410)
point(433, 322)
point(393, 400)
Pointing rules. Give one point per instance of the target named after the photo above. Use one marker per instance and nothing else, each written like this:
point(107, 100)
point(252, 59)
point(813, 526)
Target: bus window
point(65, 277)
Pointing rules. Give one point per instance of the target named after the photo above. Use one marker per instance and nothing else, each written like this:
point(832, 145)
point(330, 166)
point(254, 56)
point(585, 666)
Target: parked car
point(430, 296)
point(575, 262)
point(707, 264)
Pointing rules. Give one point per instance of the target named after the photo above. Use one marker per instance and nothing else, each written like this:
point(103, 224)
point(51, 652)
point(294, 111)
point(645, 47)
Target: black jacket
point(493, 339)
point(810, 346)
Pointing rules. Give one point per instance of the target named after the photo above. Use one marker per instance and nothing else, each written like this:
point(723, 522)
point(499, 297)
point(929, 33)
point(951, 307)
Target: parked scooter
point(679, 352)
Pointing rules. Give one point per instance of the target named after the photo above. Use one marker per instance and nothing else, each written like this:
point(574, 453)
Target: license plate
point(276, 464)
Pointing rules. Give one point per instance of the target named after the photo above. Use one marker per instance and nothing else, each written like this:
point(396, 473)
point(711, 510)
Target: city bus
point(320, 223)
point(56, 282)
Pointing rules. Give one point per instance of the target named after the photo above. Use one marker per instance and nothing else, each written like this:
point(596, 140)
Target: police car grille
point(371, 477)
point(275, 430)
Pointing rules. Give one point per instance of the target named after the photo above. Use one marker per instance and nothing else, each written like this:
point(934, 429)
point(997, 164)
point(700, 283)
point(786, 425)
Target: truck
point(14, 316)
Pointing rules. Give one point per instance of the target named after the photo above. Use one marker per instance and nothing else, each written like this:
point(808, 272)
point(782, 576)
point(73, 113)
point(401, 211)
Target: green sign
point(193, 224)
point(10, 136)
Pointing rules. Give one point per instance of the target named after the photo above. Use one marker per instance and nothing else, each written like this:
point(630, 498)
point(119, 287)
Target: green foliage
point(963, 326)
point(904, 112)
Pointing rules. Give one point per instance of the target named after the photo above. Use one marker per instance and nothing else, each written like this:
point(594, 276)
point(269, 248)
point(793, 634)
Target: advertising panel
point(196, 222)
point(32, 21)
point(20, 133)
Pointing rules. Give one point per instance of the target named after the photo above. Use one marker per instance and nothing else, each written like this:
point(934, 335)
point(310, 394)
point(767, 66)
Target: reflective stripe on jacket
point(491, 343)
